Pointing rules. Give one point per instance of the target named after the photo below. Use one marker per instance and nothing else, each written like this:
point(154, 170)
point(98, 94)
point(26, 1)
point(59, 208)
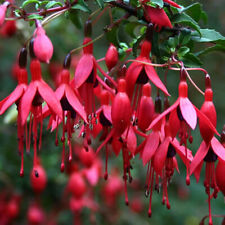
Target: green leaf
point(81, 5)
point(216, 47)
point(130, 28)
point(53, 3)
point(182, 51)
point(100, 3)
point(158, 3)
point(208, 35)
point(191, 60)
point(74, 16)
point(27, 2)
point(196, 12)
point(35, 17)
point(186, 20)
point(112, 36)
point(184, 36)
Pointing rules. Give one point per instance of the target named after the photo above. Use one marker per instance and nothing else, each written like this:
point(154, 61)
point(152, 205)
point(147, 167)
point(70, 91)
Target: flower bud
point(111, 57)
point(43, 47)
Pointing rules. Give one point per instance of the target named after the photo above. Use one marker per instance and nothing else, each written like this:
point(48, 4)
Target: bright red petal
point(197, 171)
point(218, 148)
point(49, 97)
point(174, 123)
point(180, 149)
point(107, 112)
point(151, 145)
point(199, 156)
point(75, 103)
point(188, 112)
point(59, 93)
point(131, 76)
point(131, 139)
point(153, 76)
point(160, 156)
point(26, 101)
point(206, 120)
point(158, 118)
point(83, 70)
point(12, 98)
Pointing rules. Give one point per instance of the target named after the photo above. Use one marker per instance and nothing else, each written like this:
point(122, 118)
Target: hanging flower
point(15, 97)
point(31, 102)
point(43, 48)
point(3, 9)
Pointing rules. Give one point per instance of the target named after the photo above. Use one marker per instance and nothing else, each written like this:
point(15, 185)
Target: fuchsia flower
point(139, 73)
point(120, 113)
point(210, 149)
point(85, 80)
point(15, 97)
point(157, 15)
point(43, 47)
point(71, 106)
point(37, 92)
point(183, 116)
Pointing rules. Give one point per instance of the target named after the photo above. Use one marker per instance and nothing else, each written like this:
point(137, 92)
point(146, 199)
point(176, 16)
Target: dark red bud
point(88, 28)
point(31, 49)
point(158, 104)
point(67, 61)
point(23, 58)
point(207, 81)
point(149, 32)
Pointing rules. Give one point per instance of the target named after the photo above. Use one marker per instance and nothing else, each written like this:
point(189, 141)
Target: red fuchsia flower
point(15, 97)
point(43, 48)
point(120, 113)
point(31, 102)
point(111, 57)
point(3, 9)
point(85, 80)
point(150, 144)
point(71, 107)
point(140, 72)
point(182, 117)
point(157, 15)
point(210, 149)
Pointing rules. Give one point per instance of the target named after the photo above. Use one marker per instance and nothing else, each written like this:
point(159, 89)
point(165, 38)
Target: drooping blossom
point(43, 48)
point(31, 102)
point(183, 116)
point(157, 15)
point(15, 97)
point(73, 110)
point(210, 148)
point(85, 80)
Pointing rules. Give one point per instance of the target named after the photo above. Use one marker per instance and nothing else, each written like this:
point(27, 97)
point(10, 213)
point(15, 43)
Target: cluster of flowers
point(121, 109)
